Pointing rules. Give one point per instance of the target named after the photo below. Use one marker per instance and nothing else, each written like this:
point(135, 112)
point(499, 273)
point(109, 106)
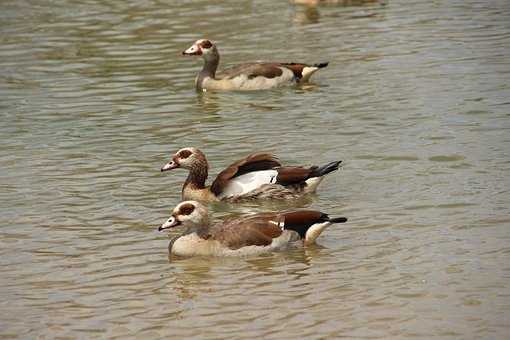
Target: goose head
point(204, 48)
point(188, 214)
point(185, 158)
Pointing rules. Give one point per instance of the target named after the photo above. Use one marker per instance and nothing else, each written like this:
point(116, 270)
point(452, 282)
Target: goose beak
point(169, 166)
point(171, 223)
point(193, 50)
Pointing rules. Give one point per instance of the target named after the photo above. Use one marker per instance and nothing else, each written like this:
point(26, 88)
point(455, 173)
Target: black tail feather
point(326, 169)
point(338, 220)
point(321, 65)
point(301, 220)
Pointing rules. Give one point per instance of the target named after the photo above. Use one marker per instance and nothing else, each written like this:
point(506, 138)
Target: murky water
point(416, 101)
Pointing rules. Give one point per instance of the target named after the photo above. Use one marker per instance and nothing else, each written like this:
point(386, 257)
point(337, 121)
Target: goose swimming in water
point(248, 76)
point(257, 176)
point(245, 235)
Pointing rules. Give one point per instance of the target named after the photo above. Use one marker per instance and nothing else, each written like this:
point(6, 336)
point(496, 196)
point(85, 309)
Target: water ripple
point(96, 97)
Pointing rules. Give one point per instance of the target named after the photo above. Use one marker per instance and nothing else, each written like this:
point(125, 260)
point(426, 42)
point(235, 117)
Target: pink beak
point(193, 50)
point(169, 166)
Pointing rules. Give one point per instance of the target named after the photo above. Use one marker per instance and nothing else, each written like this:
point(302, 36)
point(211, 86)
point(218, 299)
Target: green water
point(95, 97)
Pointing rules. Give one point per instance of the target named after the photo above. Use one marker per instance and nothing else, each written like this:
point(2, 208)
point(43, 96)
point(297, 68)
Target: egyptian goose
point(246, 235)
point(249, 76)
point(257, 176)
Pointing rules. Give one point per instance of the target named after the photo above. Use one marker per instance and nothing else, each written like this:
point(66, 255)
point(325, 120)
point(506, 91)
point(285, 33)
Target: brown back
point(268, 70)
point(301, 220)
point(253, 162)
point(293, 175)
point(296, 68)
point(252, 70)
point(261, 229)
point(255, 230)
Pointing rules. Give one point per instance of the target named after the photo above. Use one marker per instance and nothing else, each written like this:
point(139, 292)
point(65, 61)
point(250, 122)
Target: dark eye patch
point(206, 44)
point(186, 209)
point(185, 154)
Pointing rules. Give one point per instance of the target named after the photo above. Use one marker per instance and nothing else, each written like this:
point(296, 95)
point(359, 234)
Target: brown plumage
point(260, 229)
point(252, 70)
point(294, 175)
point(298, 68)
point(257, 230)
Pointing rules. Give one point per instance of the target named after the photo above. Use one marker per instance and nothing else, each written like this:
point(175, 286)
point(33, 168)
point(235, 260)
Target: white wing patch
point(245, 183)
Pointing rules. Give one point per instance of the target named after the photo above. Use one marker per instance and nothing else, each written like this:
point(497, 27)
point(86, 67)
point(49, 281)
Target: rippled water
point(416, 101)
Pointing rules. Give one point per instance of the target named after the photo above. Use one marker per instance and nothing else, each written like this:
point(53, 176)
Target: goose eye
point(186, 209)
point(184, 154)
point(206, 44)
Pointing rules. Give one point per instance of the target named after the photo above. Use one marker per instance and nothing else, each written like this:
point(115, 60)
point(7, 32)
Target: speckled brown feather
point(261, 229)
point(252, 70)
point(268, 191)
point(256, 230)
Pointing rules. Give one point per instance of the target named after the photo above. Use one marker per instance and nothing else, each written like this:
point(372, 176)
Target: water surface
point(95, 97)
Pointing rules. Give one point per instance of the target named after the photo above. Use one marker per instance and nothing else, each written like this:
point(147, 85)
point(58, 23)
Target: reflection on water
point(96, 97)
point(310, 14)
